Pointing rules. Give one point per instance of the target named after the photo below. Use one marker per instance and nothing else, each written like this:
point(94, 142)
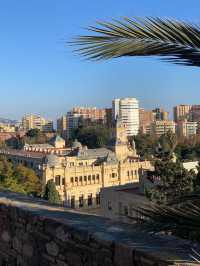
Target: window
point(97, 177)
point(80, 178)
point(113, 175)
point(57, 180)
point(132, 172)
point(126, 210)
point(76, 179)
point(73, 202)
point(90, 200)
point(63, 181)
point(109, 206)
point(80, 164)
point(93, 177)
point(127, 173)
point(85, 178)
point(98, 199)
point(81, 201)
point(72, 180)
point(89, 178)
point(136, 172)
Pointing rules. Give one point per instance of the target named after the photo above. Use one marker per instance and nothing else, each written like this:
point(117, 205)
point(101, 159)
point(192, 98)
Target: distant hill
point(8, 121)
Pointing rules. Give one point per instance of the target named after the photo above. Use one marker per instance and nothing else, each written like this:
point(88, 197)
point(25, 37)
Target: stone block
point(52, 249)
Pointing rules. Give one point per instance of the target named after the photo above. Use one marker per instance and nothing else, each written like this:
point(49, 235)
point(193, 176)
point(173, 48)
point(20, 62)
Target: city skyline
point(40, 71)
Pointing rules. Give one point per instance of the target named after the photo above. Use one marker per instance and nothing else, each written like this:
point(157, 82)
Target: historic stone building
point(80, 173)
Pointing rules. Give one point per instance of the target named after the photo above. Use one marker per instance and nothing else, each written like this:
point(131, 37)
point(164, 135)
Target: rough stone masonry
point(34, 233)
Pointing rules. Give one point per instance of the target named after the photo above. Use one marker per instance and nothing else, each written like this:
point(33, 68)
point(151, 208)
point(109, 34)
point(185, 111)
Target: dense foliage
point(185, 149)
point(18, 178)
point(33, 136)
point(93, 136)
point(50, 193)
point(173, 180)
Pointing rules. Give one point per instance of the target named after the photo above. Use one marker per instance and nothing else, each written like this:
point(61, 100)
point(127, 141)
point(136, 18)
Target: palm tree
point(171, 40)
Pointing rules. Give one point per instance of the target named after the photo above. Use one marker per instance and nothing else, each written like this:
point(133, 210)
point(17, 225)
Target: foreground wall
point(34, 233)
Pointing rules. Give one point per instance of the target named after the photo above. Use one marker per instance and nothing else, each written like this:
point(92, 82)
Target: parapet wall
point(35, 233)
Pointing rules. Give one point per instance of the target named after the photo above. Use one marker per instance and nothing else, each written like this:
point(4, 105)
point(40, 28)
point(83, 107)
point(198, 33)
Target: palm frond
point(183, 217)
point(174, 41)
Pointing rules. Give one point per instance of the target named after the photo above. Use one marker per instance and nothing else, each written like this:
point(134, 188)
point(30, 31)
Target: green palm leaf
point(174, 41)
point(182, 218)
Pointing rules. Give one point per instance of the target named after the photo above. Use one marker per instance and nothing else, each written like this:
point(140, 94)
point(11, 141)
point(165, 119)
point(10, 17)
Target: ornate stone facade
point(80, 173)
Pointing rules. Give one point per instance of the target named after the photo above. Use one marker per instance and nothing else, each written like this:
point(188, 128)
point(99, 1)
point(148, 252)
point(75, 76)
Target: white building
point(128, 111)
point(159, 128)
point(186, 128)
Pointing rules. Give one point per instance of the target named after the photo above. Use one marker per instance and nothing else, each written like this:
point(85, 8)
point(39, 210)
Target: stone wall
point(35, 233)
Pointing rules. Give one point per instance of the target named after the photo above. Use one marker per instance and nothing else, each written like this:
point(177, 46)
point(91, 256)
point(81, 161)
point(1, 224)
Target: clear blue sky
point(39, 74)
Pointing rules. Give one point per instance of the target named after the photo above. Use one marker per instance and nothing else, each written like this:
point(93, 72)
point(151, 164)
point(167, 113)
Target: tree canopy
point(19, 178)
point(93, 136)
point(50, 193)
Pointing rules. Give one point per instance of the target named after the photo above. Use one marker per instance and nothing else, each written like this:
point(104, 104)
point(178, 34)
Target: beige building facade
point(159, 128)
point(37, 122)
point(181, 112)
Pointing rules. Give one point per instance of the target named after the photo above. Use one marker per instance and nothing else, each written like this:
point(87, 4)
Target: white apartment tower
point(127, 109)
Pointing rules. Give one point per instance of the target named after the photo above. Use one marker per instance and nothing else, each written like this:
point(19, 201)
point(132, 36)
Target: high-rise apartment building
point(62, 126)
point(159, 128)
point(91, 113)
point(194, 114)
point(37, 122)
point(181, 112)
point(186, 128)
point(84, 116)
point(146, 117)
point(127, 109)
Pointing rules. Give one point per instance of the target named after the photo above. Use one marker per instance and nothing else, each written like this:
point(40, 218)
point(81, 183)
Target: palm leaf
point(174, 41)
point(183, 217)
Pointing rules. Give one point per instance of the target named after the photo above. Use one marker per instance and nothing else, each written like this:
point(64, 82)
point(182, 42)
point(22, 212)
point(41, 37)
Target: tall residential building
point(159, 128)
point(160, 114)
point(37, 122)
point(186, 128)
point(62, 126)
point(181, 112)
point(194, 113)
point(84, 116)
point(146, 117)
point(91, 113)
point(115, 110)
point(73, 122)
point(127, 109)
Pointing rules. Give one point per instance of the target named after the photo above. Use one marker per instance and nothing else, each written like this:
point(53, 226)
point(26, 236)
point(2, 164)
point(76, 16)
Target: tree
point(166, 145)
point(145, 145)
point(172, 40)
point(93, 136)
point(174, 181)
point(50, 193)
point(33, 133)
point(18, 179)
point(29, 179)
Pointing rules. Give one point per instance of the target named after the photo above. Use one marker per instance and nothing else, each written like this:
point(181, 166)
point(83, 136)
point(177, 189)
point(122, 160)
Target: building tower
point(122, 147)
point(128, 111)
